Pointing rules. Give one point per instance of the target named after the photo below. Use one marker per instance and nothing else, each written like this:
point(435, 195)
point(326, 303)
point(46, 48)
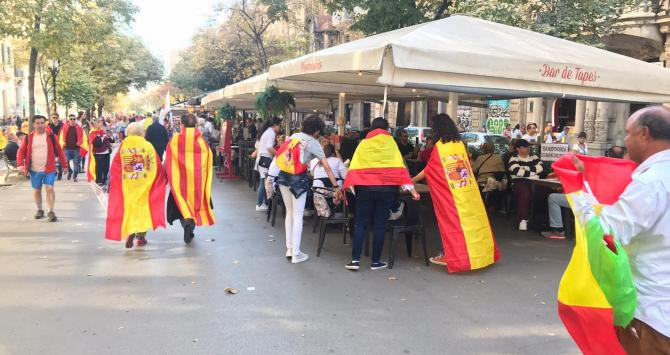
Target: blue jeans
point(371, 207)
point(555, 202)
point(73, 154)
point(262, 197)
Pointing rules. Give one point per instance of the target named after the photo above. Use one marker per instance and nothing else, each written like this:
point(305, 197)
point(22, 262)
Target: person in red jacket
point(71, 138)
point(37, 158)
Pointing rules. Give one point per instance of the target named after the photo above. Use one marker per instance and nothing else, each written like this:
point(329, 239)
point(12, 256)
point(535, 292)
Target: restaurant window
point(564, 113)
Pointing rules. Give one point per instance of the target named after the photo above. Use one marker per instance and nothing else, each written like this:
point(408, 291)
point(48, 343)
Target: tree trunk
point(31, 76)
point(100, 106)
point(45, 89)
point(261, 52)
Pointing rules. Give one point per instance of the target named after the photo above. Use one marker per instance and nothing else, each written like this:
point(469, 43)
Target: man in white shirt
point(640, 221)
point(532, 134)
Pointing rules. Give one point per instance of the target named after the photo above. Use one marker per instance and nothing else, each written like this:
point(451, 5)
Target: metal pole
point(341, 119)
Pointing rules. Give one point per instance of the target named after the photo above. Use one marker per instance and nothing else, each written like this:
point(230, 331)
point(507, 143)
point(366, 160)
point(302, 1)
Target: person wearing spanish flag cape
point(188, 162)
point(464, 226)
point(292, 158)
point(136, 190)
point(377, 172)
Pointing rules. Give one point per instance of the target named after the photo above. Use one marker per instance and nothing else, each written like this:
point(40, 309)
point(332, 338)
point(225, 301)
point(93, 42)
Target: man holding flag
point(188, 162)
point(639, 220)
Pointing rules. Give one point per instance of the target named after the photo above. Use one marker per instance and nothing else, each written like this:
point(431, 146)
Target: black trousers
point(101, 168)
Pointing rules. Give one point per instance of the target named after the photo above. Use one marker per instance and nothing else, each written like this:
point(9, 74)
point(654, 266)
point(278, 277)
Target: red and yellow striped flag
point(466, 233)
point(136, 190)
point(288, 157)
point(188, 161)
point(377, 162)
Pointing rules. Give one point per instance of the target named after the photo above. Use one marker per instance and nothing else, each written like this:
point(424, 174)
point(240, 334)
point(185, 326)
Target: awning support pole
point(341, 119)
point(386, 88)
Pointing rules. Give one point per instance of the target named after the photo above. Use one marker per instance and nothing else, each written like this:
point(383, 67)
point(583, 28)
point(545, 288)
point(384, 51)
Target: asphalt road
point(66, 290)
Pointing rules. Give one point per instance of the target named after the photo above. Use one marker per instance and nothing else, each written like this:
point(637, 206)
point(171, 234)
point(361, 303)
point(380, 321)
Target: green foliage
point(75, 87)
point(585, 21)
point(273, 102)
point(226, 112)
point(217, 58)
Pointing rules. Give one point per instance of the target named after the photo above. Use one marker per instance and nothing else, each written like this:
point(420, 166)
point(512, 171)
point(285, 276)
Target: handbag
point(264, 162)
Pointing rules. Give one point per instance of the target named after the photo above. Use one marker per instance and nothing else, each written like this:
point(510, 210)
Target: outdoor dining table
point(551, 183)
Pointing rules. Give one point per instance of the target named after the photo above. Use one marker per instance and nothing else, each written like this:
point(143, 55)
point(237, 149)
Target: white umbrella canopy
point(477, 57)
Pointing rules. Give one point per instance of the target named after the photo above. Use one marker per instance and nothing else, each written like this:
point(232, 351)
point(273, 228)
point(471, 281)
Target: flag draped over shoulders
point(377, 161)
point(136, 191)
point(90, 166)
point(467, 236)
point(188, 162)
point(596, 292)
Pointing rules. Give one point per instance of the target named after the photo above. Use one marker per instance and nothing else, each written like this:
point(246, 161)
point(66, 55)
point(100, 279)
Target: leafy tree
point(254, 17)
point(585, 21)
point(53, 25)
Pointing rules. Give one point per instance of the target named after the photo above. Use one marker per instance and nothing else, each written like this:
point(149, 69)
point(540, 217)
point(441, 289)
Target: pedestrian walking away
point(37, 158)
point(188, 160)
point(292, 159)
point(136, 190)
point(158, 136)
point(101, 148)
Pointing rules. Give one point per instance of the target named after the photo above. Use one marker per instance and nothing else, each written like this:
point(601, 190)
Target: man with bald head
point(640, 221)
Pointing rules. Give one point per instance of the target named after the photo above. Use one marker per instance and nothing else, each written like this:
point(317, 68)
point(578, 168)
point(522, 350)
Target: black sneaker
point(39, 214)
point(52, 216)
point(353, 265)
point(188, 234)
point(69, 175)
point(378, 265)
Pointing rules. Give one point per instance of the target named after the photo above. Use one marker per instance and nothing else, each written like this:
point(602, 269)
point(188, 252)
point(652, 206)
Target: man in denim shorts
point(37, 159)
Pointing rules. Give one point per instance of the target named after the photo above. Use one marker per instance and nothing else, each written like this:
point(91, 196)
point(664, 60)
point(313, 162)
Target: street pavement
point(66, 290)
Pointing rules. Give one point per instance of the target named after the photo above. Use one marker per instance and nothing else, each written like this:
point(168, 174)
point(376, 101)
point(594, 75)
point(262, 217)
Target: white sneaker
point(289, 253)
point(523, 225)
point(299, 258)
point(262, 208)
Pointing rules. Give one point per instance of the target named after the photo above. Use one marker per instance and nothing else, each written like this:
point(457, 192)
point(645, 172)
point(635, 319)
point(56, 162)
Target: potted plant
point(273, 102)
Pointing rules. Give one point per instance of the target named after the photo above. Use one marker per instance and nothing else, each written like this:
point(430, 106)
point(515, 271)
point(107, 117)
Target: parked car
point(419, 132)
point(476, 139)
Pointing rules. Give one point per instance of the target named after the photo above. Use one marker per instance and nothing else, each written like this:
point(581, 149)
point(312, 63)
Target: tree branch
point(442, 9)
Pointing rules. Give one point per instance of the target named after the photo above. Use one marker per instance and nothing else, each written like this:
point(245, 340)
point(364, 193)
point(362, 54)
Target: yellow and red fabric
point(288, 157)
point(377, 162)
point(188, 161)
point(90, 166)
point(3, 140)
point(466, 233)
point(596, 292)
point(136, 190)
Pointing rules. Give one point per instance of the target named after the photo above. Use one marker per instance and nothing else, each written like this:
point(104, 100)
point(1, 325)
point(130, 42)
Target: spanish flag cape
point(188, 161)
point(467, 237)
point(288, 157)
point(596, 292)
point(377, 162)
point(90, 170)
point(136, 190)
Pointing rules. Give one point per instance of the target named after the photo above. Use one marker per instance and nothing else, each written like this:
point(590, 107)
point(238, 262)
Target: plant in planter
point(226, 112)
point(273, 102)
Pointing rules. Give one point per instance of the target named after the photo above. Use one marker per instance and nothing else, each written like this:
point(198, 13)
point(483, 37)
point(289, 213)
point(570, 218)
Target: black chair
point(275, 203)
point(337, 218)
point(409, 224)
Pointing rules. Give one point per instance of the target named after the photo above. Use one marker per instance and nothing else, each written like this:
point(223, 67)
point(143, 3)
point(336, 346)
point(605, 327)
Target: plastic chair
point(336, 218)
point(409, 224)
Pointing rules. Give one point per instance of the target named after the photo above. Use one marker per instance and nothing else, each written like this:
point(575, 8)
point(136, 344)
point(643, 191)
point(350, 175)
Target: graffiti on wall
point(498, 116)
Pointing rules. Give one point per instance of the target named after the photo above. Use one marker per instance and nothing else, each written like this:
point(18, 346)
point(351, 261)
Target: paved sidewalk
point(66, 290)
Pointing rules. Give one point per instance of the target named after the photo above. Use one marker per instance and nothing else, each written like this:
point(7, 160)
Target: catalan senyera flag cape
point(596, 292)
point(288, 157)
point(90, 170)
point(136, 190)
point(377, 162)
point(188, 161)
point(466, 233)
